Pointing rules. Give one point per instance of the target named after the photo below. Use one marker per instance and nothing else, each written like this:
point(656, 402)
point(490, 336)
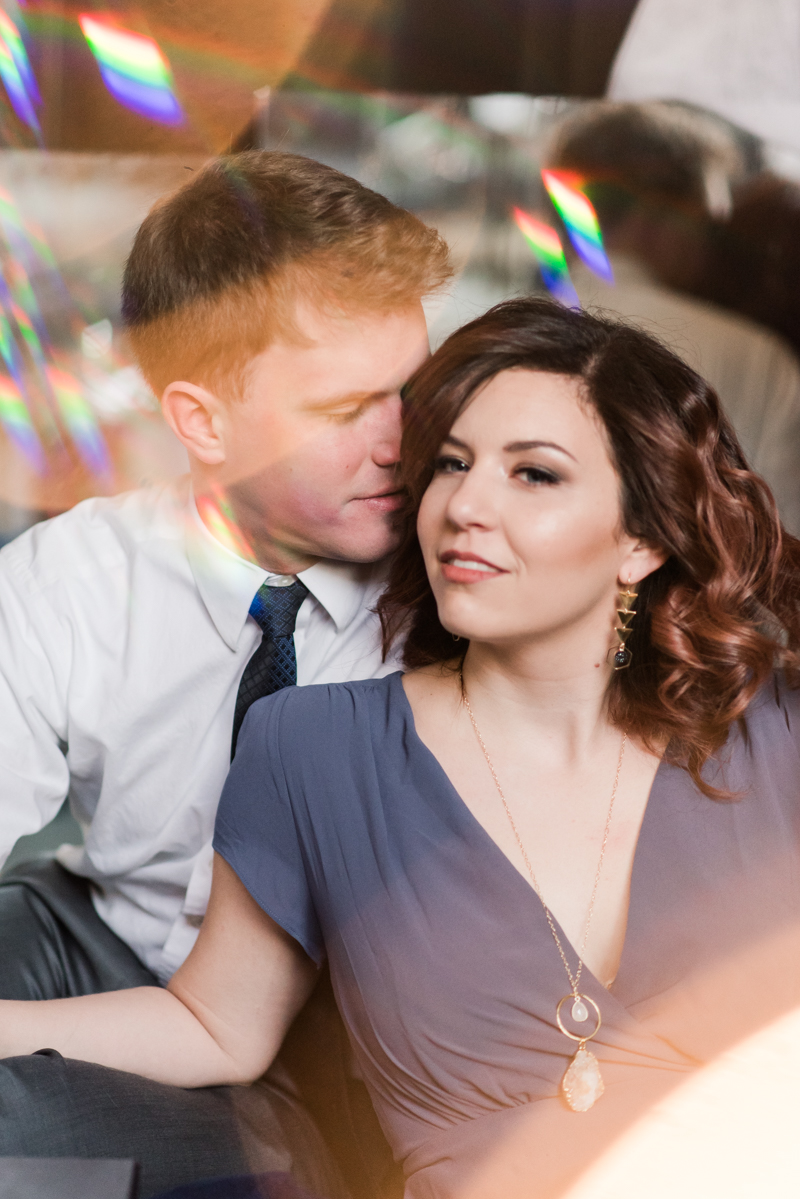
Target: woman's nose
point(472, 502)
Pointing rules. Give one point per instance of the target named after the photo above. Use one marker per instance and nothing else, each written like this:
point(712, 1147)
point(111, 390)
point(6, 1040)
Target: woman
point(595, 593)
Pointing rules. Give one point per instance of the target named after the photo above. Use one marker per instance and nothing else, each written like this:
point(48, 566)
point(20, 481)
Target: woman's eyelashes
point(536, 475)
point(451, 464)
point(448, 464)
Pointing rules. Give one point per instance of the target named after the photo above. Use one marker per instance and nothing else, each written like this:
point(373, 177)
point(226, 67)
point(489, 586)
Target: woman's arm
point(221, 1020)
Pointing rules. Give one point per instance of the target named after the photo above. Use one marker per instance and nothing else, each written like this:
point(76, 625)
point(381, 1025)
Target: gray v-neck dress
point(347, 832)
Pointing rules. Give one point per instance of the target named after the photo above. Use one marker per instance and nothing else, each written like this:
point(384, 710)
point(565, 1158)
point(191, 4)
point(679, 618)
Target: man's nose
point(387, 431)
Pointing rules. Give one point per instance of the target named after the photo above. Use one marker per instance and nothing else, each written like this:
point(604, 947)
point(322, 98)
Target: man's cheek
point(311, 506)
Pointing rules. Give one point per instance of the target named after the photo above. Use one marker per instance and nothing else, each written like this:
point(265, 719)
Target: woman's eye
point(537, 475)
point(448, 465)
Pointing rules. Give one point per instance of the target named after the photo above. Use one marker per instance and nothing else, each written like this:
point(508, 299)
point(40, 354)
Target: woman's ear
point(193, 414)
point(642, 559)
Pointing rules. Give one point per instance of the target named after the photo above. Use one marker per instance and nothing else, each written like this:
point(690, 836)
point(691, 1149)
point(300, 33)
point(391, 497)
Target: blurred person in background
point(274, 306)
point(657, 174)
point(753, 262)
point(553, 868)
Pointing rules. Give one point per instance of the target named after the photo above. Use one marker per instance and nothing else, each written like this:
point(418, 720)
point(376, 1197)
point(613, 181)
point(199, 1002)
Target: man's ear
point(193, 414)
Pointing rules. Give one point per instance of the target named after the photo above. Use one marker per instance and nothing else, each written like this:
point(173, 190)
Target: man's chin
point(361, 547)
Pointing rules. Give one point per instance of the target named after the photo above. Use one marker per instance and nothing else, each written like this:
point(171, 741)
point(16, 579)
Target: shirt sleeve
point(34, 775)
point(260, 823)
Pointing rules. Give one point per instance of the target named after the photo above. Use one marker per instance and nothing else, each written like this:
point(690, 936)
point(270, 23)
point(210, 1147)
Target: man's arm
point(34, 674)
point(222, 1019)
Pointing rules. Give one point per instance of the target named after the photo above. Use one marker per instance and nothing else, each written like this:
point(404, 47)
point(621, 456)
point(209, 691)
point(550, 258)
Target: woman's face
point(521, 525)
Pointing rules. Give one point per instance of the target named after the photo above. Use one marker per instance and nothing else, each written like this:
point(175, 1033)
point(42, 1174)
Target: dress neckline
point(464, 812)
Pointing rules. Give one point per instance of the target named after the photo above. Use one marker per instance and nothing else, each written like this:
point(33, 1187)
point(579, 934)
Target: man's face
point(311, 452)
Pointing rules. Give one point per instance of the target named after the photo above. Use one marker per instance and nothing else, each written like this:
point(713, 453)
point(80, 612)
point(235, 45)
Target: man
point(655, 172)
point(274, 304)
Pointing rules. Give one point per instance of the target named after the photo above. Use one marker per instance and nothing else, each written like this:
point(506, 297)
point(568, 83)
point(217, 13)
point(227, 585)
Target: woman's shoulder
point(302, 744)
point(773, 716)
point(306, 716)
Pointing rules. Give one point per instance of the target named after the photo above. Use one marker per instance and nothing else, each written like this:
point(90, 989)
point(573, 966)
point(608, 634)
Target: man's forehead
point(347, 362)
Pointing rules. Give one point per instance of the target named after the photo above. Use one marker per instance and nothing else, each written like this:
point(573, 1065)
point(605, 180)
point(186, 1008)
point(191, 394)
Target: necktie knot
point(273, 665)
point(274, 609)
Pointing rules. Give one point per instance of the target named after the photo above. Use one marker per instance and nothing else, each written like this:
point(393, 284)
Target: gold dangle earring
point(625, 614)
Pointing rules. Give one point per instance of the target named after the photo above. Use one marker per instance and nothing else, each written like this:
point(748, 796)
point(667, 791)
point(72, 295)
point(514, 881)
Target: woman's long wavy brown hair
point(721, 613)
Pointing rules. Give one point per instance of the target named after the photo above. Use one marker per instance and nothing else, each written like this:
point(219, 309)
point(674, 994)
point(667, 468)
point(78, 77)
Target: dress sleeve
point(788, 701)
point(257, 829)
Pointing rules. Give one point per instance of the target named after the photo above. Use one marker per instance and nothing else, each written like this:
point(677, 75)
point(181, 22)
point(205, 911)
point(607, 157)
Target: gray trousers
point(54, 945)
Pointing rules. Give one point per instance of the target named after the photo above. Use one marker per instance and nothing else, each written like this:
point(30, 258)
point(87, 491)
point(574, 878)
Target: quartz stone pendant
point(580, 1012)
point(582, 1084)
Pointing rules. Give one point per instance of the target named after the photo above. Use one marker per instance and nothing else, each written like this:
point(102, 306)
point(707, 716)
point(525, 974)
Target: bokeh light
point(133, 68)
point(580, 220)
point(17, 75)
point(16, 420)
point(546, 245)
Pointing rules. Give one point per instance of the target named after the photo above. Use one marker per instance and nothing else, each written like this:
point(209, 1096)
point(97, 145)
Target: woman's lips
point(467, 569)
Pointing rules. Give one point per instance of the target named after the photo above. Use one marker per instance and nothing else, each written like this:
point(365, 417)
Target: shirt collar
point(228, 582)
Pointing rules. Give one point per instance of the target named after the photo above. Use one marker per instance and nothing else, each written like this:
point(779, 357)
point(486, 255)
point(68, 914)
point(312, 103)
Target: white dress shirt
point(124, 632)
point(755, 374)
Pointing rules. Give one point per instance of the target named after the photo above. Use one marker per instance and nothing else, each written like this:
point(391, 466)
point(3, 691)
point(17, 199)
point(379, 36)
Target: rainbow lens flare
point(16, 420)
point(16, 73)
point(217, 515)
point(25, 297)
point(29, 334)
point(133, 68)
point(41, 398)
point(549, 253)
point(580, 219)
point(79, 420)
point(10, 353)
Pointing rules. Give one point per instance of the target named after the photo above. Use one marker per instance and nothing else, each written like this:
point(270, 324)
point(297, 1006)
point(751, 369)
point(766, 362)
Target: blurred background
point(641, 157)
point(452, 108)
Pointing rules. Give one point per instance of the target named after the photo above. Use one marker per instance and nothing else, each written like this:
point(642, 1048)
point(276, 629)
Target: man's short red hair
point(218, 267)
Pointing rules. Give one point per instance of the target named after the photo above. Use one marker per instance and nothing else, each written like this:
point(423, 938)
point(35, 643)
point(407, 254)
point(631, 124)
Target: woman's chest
point(425, 913)
point(572, 838)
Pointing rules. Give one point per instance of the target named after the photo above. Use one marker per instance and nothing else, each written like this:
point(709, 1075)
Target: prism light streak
point(25, 297)
point(79, 420)
point(580, 219)
point(8, 345)
point(217, 515)
point(16, 45)
point(16, 73)
point(133, 69)
point(25, 239)
point(29, 334)
point(10, 353)
point(16, 420)
point(549, 253)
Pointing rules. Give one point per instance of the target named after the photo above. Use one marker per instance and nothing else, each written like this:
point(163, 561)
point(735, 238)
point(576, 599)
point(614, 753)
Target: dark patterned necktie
point(273, 665)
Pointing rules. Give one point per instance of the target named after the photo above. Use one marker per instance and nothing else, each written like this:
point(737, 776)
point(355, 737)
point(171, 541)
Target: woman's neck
point(557, 700)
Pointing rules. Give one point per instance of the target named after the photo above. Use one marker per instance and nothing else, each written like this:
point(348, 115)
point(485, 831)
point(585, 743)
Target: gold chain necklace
point(582, 1083)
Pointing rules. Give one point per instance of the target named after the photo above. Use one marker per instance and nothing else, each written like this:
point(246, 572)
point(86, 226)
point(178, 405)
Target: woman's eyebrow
point(519, 447)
